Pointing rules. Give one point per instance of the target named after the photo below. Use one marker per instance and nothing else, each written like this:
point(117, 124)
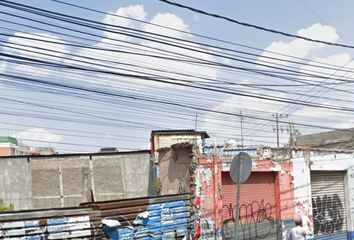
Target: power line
point(201, 83)
point(69, 143)
point(172, 104)
point(255, 26)
point(185, 32)
point(132, 139)
point(198, 89)
point(240, 93)
point(142, 36)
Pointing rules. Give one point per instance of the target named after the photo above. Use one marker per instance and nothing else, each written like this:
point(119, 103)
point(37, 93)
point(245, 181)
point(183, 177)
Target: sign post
point(240, 170)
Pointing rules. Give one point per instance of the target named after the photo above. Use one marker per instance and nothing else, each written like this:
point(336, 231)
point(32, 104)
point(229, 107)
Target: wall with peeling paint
point(209, 198)
point(292, 181)
point(302, 189)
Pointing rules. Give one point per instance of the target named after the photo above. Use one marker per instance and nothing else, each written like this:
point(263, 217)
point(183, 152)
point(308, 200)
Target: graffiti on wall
point(257, 220)
point(328, 214)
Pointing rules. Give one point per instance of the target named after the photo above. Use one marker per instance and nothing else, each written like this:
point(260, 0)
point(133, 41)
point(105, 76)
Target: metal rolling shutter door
point(328, 204)
point(258, 211)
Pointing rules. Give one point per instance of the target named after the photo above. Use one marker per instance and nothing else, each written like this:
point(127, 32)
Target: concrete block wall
point(67, 180)
point(16, 182)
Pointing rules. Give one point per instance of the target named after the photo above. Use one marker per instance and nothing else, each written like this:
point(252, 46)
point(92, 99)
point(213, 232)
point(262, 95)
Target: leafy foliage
point(5, 207)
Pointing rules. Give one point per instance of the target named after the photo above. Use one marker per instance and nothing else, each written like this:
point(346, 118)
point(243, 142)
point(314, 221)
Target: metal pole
point(241, 129)
point(277, 125)
point(291, 139)
point(238, 200)
point(196, 122)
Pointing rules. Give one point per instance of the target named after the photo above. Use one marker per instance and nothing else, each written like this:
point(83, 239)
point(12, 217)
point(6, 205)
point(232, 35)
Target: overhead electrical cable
point(183, 31)
point(244, 94)
point(155, 34)
point(256, 26)
point(197, 85)
point(201, 83)
point(173, 104)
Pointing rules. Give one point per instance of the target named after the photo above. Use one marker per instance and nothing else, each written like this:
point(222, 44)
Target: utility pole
point(291, 137)
point(196, 122)
point(241, 129)
point(277, 116)
point(277, 127)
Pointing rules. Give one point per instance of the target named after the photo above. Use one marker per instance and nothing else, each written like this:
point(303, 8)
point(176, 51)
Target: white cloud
point(341, 61)
point(319, 31)
point(2, 67)
point(133, 11)
point(32, 49)
point(326, 117)
point(39, 134)
point(298, 47)
point(322, 118)
point(173, 21)
point(343, 69)
point(2, 70)
point(167, 20)
point(34, 46)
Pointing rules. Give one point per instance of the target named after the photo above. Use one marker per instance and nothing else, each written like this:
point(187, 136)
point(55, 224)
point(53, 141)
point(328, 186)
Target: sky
point(74, 120)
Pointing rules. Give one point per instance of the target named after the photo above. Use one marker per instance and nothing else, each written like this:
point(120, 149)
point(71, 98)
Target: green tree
point(4, 207)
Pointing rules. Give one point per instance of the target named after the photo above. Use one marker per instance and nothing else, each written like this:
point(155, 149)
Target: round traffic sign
point(241, 167)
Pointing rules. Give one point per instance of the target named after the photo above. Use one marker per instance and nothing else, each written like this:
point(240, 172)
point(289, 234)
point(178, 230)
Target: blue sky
point(126, 125)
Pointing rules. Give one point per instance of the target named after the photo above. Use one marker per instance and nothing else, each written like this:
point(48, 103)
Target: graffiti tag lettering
point(328, 214)
point(256, 220)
